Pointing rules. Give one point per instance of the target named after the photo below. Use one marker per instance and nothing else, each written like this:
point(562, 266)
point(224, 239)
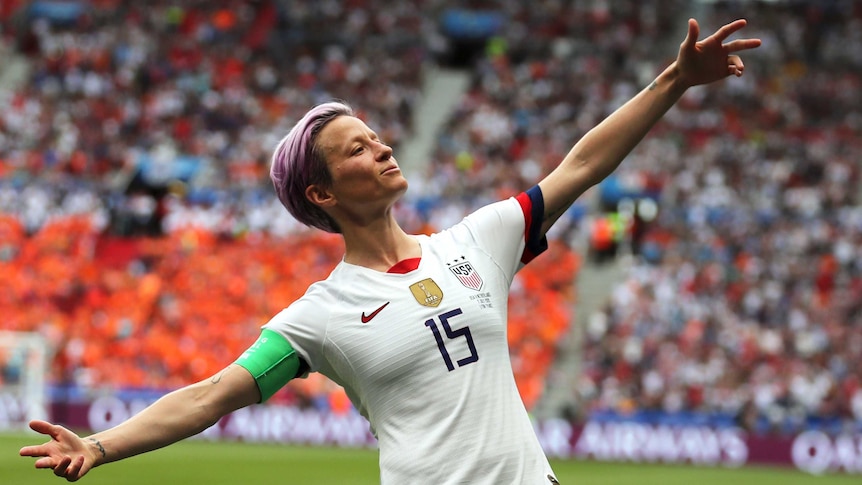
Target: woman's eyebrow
point(358, 137)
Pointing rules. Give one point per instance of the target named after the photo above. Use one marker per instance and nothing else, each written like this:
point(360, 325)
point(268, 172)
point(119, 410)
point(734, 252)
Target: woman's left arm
point(603, 148)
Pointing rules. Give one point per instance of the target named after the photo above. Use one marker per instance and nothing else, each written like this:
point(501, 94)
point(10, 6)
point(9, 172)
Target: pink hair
point(298, 163)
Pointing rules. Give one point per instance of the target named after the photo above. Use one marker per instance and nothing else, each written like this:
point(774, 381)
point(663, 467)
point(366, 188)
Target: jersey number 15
point(451, 335)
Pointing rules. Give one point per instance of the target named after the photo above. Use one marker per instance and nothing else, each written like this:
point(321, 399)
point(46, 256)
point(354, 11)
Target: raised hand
point(711, 59)
point(69, 455)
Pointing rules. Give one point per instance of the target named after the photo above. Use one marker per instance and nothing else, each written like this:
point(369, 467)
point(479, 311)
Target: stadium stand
point(143, 236)
point(741, 304)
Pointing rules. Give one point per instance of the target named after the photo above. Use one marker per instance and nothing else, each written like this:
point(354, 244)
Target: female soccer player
point(413, 327)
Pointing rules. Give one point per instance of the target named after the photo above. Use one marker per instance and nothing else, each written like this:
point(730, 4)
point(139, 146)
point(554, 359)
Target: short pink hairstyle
point(297, 163)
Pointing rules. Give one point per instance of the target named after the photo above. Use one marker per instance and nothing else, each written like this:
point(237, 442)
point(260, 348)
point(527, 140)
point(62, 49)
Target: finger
point(46, 462)
point(728, 29)
point(62, 465)
point(73, 472)
point(736, 62)
point(38, 450)
point(735, 66)
point(692, 34)
point(45, 427)
point(742, 44)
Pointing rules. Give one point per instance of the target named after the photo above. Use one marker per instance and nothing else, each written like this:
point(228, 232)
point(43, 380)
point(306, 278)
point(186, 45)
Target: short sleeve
point(303, 324)
point(510, 230)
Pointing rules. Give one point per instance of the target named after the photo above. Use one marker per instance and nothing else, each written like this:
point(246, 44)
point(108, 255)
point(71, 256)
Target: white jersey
point(424, 356)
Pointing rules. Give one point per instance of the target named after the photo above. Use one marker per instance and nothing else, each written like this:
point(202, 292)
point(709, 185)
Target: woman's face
point(365, 176)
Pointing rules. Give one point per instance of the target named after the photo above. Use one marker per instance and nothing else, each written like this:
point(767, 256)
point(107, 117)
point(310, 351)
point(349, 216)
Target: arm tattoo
point(217, 378)
point(553, 215)
point(653, 86)
point(99, 446)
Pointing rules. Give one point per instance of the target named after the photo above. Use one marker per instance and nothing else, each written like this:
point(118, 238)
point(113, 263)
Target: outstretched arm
point(604, 147)
point(178, 415)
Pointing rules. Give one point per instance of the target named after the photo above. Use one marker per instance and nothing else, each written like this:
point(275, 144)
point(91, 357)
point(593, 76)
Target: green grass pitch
point(230, 463)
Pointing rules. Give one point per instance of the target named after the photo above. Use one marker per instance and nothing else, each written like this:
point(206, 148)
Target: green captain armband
point(272, 362)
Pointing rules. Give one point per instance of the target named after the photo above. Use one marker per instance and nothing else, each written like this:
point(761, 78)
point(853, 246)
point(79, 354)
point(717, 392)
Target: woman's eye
point(357, 151)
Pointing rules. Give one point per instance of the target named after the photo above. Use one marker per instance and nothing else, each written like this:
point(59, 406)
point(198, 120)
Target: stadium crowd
point(140, 232)
point(743, 299)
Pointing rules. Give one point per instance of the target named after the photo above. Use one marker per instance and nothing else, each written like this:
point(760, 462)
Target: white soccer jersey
point(424, 356)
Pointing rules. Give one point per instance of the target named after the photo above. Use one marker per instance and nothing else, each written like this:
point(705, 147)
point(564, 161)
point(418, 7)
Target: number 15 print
point(451, 335)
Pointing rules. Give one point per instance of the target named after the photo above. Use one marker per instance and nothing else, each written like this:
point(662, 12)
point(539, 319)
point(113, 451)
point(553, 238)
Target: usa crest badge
point(466, 274)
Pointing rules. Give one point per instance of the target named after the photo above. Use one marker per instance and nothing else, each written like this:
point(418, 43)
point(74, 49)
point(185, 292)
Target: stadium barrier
point(811, 451)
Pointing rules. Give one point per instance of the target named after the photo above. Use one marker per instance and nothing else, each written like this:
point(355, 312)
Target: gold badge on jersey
point(427, 292)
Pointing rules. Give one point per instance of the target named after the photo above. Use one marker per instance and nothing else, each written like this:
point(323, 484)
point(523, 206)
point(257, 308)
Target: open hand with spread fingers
point(69, 455)
point(712, 59)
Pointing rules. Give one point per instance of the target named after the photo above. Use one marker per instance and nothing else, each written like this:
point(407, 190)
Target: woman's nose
point(384, 151)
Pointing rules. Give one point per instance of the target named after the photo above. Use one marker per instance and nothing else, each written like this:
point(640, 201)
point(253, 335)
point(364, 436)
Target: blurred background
point(702, 305)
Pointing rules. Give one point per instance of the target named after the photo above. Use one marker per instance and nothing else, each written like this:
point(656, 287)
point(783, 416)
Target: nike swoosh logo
point(367, 318)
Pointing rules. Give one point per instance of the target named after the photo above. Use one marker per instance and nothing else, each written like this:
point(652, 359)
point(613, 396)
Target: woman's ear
point(319, 196)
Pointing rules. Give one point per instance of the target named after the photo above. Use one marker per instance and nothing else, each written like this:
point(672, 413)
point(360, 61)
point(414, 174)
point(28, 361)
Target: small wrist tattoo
point(653, 85)
point(99, 445)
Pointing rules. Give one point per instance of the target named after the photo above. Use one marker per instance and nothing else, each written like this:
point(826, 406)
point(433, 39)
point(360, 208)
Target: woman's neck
point(379, 248)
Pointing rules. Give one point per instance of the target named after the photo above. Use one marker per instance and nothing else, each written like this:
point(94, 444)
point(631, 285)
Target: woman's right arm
point(177, 415)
